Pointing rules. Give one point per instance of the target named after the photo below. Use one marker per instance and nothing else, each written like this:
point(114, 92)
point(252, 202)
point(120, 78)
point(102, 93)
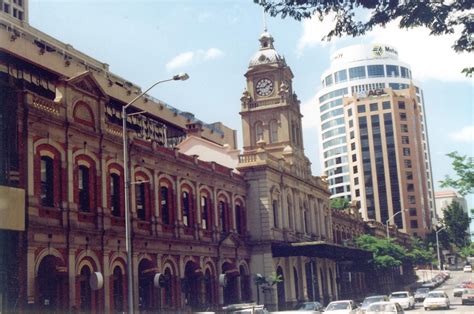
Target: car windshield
point(381, 308)
point(338, 306)
point(306, 307)
point(422, 290)
point(371, 300)
point(399, 295)
point(436, 295)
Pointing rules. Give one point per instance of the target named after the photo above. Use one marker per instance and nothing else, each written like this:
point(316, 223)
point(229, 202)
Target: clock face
point(264, 87)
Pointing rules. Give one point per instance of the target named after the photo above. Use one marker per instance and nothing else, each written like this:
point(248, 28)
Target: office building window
point(351, 123)
point(356, 181)
point(392, 70)
point(186, 204)
point(413, 224)
point(361, 108)
point(412, 212)
point(409, 175)
point(328, 80)
point(406, 151)
point(401, 105)
point(357, 192)
point(411, 199)
point(410, 187)
point(354, 169)
point(375, 70)
point(386, 105)
point(357, 73)
point(115, 194)
point(403, 116)
point(140, 200)
point(407, 163)
point(340, 76)
point(351, 134)
point(349, 112)
point(405, 140)
point(354, 158)
point(404, 128)
point(47, 181)
point(374, 107)
point(84, 189)
point(165, 207)
point(204, 212)
point(405, 73)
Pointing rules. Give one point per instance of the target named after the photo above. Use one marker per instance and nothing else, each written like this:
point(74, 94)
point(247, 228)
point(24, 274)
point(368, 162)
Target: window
point(392, 70)
point(407, 163)
point(354, 169)
point(403, 116)
point(336, 93)
point(205, 212)
point(223, 216)
point(275, 213)
point(409, 175)
point(340, 189)
point(357, 192)
point(115, 194)
point(413, 224)
point(406, 151)
point(349, 112)
point(140, 200)
point(410, 187)
point(273, 131)
point(84, 191)
point(361, 108)
point(404, 128)
point(186, 202)
point(357, 73)
point(340, 76)
point(405, 140)
point(374, 107)
point(405, 72)
point(375, 70)
point(164, 203)
point(356, 181)
point(239, 219)
point(401, 105)
point(258, 131)
point(351, 123)
point(353, 146)
point(47, 181)
point(351, 134)
point(412, 212)
point(328, 80)
point(354, 158)
point(386, 105)
point(411, 199)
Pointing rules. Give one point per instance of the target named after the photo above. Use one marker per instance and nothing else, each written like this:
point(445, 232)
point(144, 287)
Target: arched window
point(223, 215)
point(295, 276)
point(85, 290)
point(258, 131)
point(168, 289)
point(47, 181)
point(275, 213)
point(239, 219)
point(290, 214)
point(273, 131)
point(186, 208)
point(84, 189)
point(205, 223)
point(165, 207)
point(306, 219)
point(118, 289)
point(115, 194)
point(141, 204)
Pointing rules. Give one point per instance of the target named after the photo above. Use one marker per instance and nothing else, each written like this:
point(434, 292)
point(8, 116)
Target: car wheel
point(426, 309)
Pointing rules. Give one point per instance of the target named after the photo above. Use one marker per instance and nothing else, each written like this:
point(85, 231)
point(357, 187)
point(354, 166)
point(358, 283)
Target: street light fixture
point(126, 180)
point(388, 220)
point(437, 246)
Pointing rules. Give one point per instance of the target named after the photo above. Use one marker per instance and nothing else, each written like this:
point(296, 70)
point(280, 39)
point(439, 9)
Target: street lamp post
point(437, 246)
point(388, 220)
point(126, 181)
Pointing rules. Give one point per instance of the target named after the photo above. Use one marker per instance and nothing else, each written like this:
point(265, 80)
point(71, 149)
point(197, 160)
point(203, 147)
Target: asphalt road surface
point(456, 307)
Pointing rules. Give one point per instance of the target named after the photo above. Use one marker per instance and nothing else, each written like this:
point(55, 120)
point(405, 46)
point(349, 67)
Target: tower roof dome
point(267, 53)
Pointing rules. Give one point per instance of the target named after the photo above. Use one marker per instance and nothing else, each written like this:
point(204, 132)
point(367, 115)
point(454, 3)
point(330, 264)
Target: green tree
point(386, 254)
point(339, 203)
point(467, 251)
point(443, 239)
point(440, 17)
point(464, 168)
point(419, 253)
point(456, 221)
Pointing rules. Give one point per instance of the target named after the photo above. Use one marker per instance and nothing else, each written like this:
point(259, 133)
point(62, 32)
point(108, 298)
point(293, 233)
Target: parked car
point(420, 294)
point(458, 290)
point(435, 300)
point(341, 307)
point(369, 300)
point(305, 308)
point(243, 308)
point(404, 298)
point(467, 269)
point(385, 308)
point(468, 296)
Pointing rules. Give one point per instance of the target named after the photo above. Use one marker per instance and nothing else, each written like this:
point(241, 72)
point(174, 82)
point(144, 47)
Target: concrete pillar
point(72, 278)
point(30, 279)
point(106, 288)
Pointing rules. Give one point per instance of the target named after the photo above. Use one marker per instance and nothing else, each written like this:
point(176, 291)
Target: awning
point(320, 249)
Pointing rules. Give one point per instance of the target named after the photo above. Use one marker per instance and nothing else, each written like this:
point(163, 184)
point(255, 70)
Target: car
point(420, 294)
point(467, 296)
point(404, 298)
point(467, 269)
point(435, 300)
point(341, 307)
point(369, 300)
point(305, 308)
point(384, 308)
point(458, 290)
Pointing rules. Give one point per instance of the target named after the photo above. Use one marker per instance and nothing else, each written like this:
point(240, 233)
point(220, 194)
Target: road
point(456, 307)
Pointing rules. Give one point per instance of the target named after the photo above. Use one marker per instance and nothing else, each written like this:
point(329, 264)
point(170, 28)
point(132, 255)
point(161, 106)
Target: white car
point(436, 300)
point(341, 307)
point(467, 269)
point(384, 308)
point(404, 298)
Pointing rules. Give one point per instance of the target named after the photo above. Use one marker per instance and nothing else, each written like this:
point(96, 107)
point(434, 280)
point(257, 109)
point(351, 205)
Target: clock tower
point(270, 110)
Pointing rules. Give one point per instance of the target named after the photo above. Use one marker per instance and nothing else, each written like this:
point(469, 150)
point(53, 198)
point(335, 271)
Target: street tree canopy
point(339, 203)
point(440, 17)
point(456, 221)
point(386, 254)
point(464, 168)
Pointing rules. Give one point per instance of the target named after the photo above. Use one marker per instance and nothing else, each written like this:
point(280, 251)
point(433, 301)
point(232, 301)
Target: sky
point(145, 41)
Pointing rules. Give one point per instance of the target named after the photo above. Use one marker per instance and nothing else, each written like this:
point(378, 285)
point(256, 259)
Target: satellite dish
point(159, 280)
point(96, 281)
point(223, 280)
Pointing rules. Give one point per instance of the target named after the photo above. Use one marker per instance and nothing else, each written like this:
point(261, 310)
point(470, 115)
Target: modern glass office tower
point(356, 69)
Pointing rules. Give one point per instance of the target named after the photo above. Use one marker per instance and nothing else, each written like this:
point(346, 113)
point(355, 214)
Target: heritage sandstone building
point(206, 228)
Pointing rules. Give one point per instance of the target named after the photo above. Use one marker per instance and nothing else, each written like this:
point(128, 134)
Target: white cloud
point(466, 134)
point(189, 58)
point(430, 57)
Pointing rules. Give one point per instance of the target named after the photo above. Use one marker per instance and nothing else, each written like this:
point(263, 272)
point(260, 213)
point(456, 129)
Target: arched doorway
point(245, 288)
point(192, 284)
point(146, 272)
point(86, 296)
point(168, 290)
point(208, 289)
point(281, 289)
point(118, 288)
point(52, 285)
point(231, 289)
